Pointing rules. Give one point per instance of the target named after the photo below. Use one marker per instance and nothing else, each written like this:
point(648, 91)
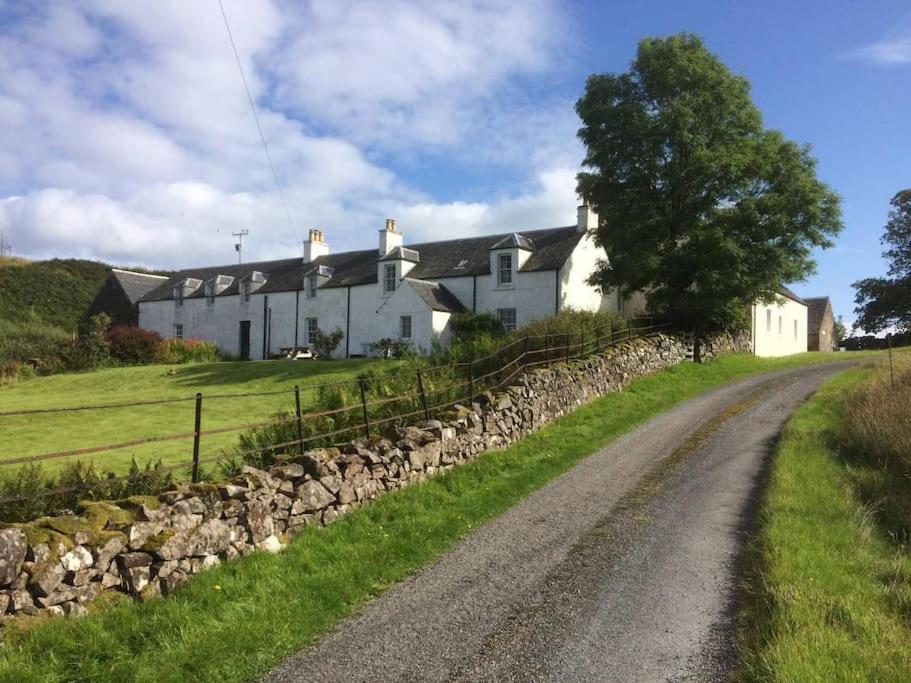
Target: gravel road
point(623, 569)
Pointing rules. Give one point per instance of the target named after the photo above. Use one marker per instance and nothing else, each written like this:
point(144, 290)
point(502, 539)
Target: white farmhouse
point(779, 328)
point(408, 293)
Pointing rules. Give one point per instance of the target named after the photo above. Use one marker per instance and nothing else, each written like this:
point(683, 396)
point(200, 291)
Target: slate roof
point(437, 296)
point(437, 260)
point(816, 311)
point(136, 285)
point(514, 240)
point(784, 291)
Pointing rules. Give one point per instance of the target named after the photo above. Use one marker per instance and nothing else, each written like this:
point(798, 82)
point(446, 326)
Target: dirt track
point(623, 569)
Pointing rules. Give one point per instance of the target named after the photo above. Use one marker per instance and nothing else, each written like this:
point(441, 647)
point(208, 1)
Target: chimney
point(390, 238)
point(315, 246)
point(586, 218)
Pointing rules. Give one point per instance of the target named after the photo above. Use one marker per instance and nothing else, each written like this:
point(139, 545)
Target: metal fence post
point(300, 421)
point(362, 382)
point(196, 438)
point(891, 367)
point(423, 395)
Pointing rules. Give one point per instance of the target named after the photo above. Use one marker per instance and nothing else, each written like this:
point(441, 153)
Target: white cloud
point(892, 51)
point(126, 134)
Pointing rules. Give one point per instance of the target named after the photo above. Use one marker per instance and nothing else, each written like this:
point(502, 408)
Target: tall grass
point(877, 420)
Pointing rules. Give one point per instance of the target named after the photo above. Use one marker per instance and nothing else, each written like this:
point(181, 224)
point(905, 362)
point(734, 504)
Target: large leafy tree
point(701, 207)
point(884, 302)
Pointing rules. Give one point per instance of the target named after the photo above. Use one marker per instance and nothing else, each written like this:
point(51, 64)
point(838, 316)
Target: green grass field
point(237, 621)
point(828, 584)
point(43, 433)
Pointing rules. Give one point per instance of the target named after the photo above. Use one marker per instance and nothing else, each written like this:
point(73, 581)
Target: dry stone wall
point(148, 546)
point(725, 342)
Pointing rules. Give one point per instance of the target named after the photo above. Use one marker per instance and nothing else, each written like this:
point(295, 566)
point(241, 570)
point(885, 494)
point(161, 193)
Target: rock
point(314, 495)
point(232, 509)
point(291, 470)
point(12, 555)
point(135, 578)
point(151, 590)
point(170, 583)
point(258, 521)
point(81, 577)
point(20, 601)
point(140, 532)
point(74, 610)
point(270, 544)
point(40, 552)
point(76, 559)
point(4, 603)
point(46, 577)
point(109, 580)
point(232, 491)
point(346, 494)
point(63, 594)
point(132, 560)
point(106, 553)
point(330, 515)
point(211, 538)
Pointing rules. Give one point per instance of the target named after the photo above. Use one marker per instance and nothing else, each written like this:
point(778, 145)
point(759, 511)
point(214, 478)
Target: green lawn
point(828, 587)
point(237, 621)
point(43, 433)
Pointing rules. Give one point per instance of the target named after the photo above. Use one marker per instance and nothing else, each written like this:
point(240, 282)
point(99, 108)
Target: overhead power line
point(259, 127)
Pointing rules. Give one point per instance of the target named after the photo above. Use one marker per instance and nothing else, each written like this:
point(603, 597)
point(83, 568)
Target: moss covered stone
point(155, 542)
point(103, 515)
point(138, 502)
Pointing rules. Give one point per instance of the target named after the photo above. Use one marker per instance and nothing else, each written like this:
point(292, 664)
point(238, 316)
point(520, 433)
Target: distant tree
point(701, 207)
point(841, 332)
point(884, 302)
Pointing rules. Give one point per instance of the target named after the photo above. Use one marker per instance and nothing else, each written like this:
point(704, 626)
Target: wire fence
point(370, 405)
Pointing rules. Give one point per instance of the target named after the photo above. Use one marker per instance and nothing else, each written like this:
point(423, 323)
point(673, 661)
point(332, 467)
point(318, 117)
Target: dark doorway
point(245, 340)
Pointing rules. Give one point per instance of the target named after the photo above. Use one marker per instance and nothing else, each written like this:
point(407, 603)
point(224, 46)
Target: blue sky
point(126, 134)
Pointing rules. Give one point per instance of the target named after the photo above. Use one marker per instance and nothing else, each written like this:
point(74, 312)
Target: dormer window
point(504, 269)
point(310, 286)
point(389, 278)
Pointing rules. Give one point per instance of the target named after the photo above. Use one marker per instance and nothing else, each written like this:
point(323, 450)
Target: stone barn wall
point(148, 546)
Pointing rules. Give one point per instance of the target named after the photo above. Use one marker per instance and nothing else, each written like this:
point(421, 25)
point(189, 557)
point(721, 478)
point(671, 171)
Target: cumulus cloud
point(127, 134)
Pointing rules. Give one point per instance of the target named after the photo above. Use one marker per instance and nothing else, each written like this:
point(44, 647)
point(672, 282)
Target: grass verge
point(828, 581)
point(235, 622)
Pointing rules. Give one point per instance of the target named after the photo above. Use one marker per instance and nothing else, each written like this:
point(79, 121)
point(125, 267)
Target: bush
point(31, 482)
point(133, 345)
point(175, 351)
point(469, 327)
point(91, 349)
point(326, 344)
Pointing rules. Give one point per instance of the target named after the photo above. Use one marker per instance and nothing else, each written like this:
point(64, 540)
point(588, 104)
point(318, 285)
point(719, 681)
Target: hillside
point(53, 293)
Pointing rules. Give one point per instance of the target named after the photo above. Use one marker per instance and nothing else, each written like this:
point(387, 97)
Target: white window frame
point(311, 333)
point(504, 273)
point(503, 314)
point(178, 330)
point(311, 286)
point(390, 278)
point(402, 321)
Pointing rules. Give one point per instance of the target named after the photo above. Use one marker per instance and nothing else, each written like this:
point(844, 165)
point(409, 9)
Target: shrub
point(133, 345)
point(175, 351)
point(326, 344)
point(91, 348)
point(31, 482)
point(468, 327)
point(21, 342)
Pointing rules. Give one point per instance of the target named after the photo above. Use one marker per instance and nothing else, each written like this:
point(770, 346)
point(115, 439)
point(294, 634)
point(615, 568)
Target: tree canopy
point(884, 302)
point(700, 206)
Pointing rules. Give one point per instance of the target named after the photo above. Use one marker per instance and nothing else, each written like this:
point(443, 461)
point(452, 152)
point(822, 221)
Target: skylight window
point(462, 264)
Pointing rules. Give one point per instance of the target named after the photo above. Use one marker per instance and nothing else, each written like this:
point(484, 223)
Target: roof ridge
point(136, 272)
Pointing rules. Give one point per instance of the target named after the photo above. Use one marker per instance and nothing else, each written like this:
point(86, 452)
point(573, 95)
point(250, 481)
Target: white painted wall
point(774, 327)
point(374, 315)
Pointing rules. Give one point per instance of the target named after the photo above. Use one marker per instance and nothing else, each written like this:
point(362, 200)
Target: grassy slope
point(27, 435)
point(54, 292)
point(239, 620)
point(829, 596)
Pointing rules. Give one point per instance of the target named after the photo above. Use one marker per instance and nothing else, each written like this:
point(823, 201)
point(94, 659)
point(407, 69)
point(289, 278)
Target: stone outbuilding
point(120, 294)
point(820, 325)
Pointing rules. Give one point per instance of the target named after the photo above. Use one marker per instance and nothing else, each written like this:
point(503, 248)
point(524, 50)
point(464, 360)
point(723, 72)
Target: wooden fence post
point(196, 438)
point(567, 346)
point(423, 395)
point(581, 342)
point(362, 382)
point(525, 353)
point(300, 421)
